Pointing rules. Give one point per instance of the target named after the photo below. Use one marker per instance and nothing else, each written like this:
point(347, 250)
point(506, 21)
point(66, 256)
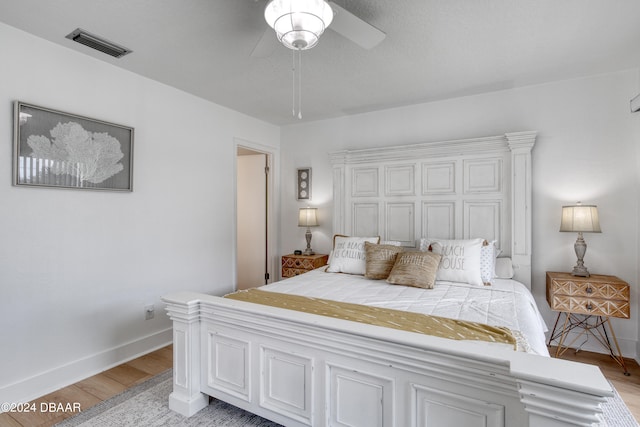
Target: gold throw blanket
point(390, 318)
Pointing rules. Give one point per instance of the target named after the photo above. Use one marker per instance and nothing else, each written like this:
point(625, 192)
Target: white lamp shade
point(298, 23)
point(580, 218)
point(308, 217)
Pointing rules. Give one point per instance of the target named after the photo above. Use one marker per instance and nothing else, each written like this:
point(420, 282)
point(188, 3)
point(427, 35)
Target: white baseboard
point(54, 379)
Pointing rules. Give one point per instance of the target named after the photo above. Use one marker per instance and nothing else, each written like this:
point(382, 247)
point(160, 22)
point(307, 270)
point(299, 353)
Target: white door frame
point(273, 207)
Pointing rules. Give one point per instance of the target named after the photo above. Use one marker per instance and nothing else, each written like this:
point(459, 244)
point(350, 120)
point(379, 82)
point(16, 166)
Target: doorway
point(252, 218)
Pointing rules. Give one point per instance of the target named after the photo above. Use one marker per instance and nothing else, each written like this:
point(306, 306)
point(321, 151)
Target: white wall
point(78, 267)
point(586, 150)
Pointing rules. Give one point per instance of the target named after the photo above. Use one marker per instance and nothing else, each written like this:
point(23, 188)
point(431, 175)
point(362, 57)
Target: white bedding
point(505, 303)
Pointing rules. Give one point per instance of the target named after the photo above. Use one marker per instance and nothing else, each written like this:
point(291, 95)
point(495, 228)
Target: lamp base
point(308, 251)
point(580, 271)
point(581, 248)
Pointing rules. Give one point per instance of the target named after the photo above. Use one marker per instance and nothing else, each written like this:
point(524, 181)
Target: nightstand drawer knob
point(589, 290)
point(589, 306)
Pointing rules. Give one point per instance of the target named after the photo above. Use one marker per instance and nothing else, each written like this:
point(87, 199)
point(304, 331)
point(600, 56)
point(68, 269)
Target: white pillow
point(349, 255)
point(424, 243)
point(460, 260)
point(488, 254)
point(504, 268)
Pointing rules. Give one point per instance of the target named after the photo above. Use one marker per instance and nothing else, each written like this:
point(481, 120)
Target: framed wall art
point(303, 184)
point(57, 149)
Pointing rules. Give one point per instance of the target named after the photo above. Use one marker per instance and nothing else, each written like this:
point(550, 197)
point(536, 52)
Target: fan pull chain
point(293, 84)
point(300, 84)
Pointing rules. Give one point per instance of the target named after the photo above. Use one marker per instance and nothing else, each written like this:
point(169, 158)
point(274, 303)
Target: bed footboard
point(300, 369)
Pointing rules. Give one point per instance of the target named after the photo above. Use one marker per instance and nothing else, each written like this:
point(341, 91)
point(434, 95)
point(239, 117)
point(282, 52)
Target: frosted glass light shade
point(298, 23)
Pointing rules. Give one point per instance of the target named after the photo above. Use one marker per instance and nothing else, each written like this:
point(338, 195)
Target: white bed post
point(186, 398)
point(550, 406)
point(520, 144)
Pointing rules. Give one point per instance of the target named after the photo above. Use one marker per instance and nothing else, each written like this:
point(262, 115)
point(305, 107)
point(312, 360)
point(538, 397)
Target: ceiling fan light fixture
point(298, 23)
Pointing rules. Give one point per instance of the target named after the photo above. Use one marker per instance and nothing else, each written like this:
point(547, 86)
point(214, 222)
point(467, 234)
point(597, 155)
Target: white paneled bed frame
point(301, 369)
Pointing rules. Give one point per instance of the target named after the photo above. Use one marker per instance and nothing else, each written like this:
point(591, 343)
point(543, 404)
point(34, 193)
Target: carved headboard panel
point(459, 189)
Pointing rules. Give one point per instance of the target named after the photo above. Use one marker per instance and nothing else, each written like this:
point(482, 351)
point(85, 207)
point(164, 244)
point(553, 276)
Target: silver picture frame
point(303, 184)
point(56, 149)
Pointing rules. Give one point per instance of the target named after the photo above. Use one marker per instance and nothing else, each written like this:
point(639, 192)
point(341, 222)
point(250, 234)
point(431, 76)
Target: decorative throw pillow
point(460, 260)
point(416, 269)
point(349, 255)
point(380, 260)
point(488, 254)
point(424, 243)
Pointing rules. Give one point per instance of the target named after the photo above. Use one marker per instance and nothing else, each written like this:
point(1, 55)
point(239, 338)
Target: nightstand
point(292, 265)
point(588, 303)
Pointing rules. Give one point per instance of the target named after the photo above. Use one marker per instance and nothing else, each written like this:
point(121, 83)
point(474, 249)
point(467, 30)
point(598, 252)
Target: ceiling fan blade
point(355, 29)
point(266, 45)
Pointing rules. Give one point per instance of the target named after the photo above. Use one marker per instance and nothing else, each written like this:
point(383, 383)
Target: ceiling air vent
point(635, 104)
point(81, 36)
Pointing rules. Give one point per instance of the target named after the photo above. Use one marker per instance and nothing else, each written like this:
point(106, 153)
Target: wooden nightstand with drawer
point(587, 303)
point(293, 265)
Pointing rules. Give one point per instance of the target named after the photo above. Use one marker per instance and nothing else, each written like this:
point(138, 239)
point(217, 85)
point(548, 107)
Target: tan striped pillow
point(380, 260)
point(416, 269)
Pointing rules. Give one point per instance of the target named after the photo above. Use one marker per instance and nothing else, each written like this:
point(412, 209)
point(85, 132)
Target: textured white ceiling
point(434, 49)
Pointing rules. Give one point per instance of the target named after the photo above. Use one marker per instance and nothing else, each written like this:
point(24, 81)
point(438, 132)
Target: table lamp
point(308, 218)
point(581, 219)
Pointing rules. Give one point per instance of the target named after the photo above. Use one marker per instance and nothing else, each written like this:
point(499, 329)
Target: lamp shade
point(298, 23)
point(308, 217)
point(580, 218)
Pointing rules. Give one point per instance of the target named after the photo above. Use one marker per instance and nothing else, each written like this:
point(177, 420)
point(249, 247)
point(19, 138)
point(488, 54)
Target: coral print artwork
point(55, 149)
point(93, 157)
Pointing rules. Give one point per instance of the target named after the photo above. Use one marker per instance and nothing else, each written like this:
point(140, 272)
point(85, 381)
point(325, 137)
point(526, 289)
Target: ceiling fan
point(344, 23)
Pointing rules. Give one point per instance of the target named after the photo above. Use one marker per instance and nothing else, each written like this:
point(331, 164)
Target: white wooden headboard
point(458, 189)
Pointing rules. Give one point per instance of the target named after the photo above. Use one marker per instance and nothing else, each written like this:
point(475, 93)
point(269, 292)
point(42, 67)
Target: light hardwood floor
point(100, 387)
point(93, 390)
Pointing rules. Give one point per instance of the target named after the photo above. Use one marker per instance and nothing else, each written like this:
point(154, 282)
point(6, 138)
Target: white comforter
point(504, 303)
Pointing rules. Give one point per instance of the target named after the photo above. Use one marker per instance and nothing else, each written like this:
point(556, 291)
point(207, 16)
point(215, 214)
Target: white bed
point(505, 303)
point(301, 369)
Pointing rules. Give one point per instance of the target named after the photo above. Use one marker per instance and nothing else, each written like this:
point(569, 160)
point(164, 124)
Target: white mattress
point(505, 303)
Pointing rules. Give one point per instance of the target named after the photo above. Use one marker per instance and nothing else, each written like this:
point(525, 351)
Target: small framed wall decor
point(57, 149)
point(303, 184)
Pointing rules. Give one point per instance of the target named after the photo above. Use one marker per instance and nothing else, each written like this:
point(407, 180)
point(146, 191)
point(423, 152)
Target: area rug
point(147, 405)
